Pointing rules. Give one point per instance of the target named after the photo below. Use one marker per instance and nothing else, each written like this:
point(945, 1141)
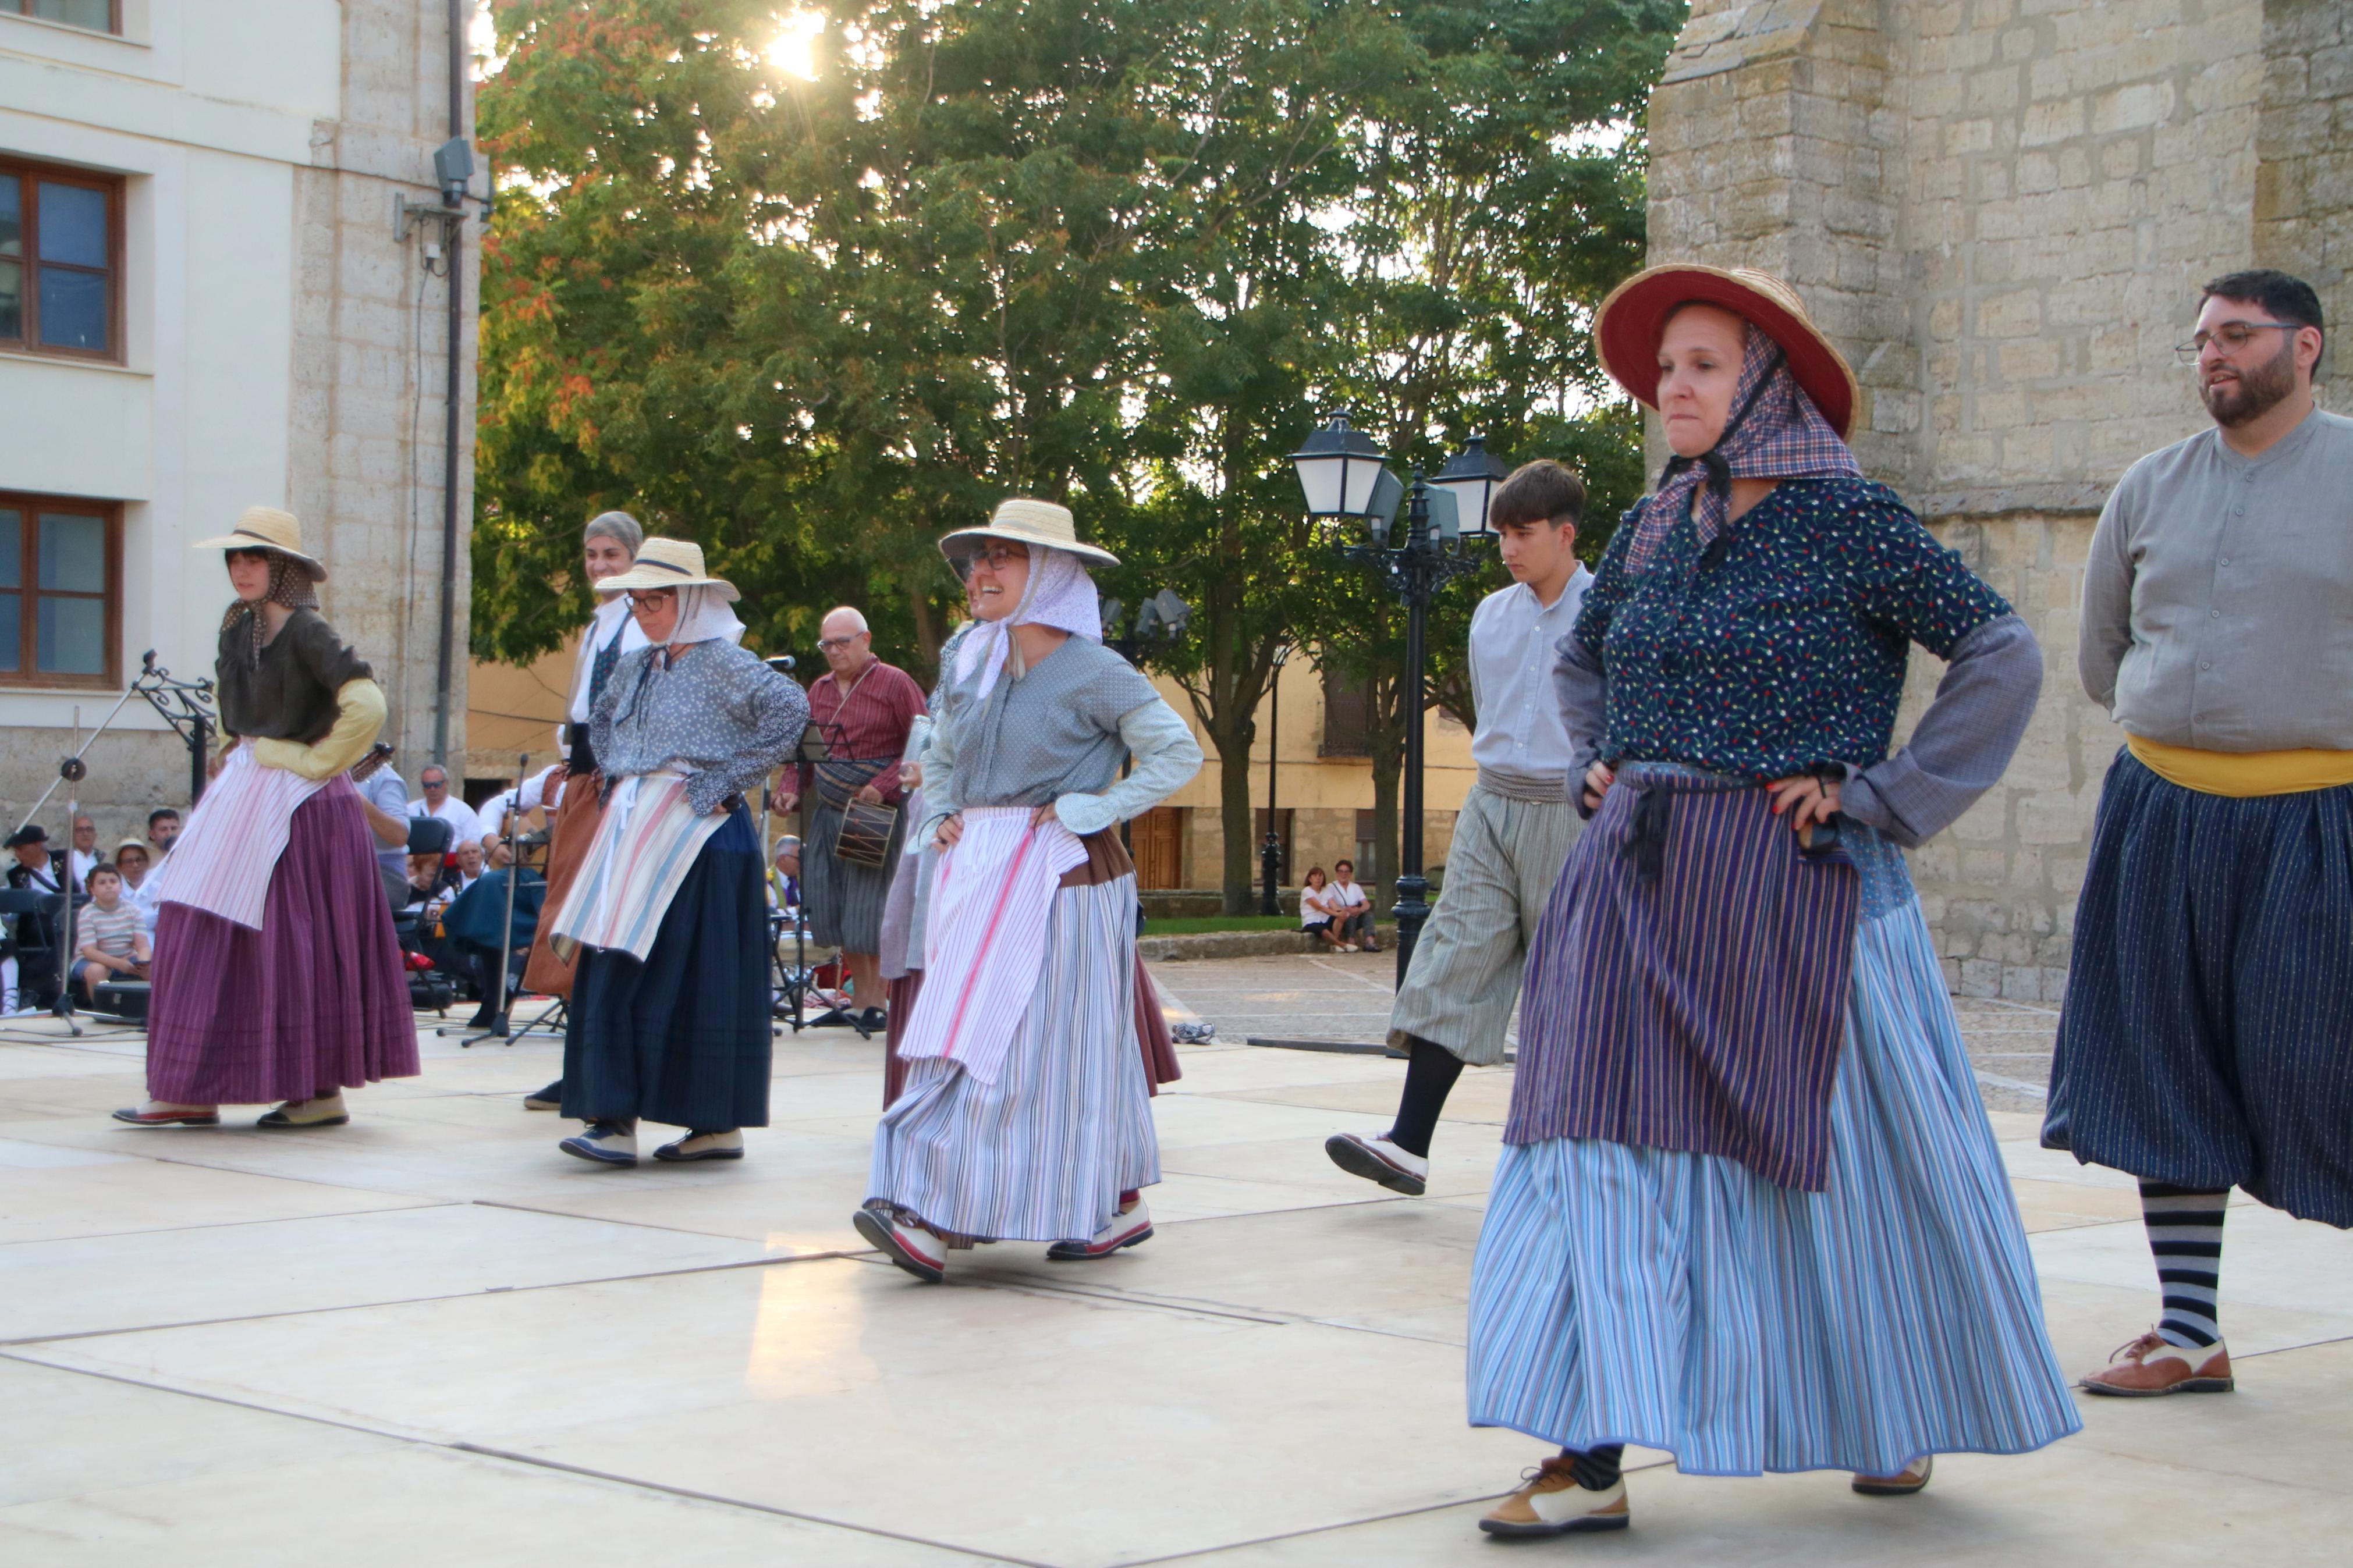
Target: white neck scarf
point(1061, 594)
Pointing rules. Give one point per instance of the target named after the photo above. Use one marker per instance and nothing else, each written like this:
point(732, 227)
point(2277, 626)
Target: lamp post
point(1343, 474)
point(1269, 853)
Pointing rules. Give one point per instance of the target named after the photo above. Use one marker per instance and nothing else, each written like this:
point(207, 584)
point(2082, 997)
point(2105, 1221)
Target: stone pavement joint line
point(213, 1332)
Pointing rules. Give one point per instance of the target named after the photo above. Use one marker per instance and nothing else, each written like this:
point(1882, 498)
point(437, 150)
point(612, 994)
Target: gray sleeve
point(1962, 742)
point(1582, 694)
point(2105, 631)
point(772, 713)
point(939, 780)
point(1166, 758)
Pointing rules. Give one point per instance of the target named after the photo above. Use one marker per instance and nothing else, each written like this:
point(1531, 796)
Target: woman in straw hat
point(609, 546)
point(277, 975)
point(1749, 1209)
point(1025, 1114)
point(667, 913)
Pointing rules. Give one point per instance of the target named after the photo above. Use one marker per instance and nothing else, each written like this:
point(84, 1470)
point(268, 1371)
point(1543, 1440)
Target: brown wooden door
point(1158, 838)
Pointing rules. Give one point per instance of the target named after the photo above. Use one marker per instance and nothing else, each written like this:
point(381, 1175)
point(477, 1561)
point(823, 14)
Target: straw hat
point(139, 844)
point(1628, 327)
point(266, 528)
point(668, 564)
point(1028, 521)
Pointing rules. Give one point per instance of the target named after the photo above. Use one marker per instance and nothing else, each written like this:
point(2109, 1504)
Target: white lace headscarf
point(1061, 594)
point(705, 613)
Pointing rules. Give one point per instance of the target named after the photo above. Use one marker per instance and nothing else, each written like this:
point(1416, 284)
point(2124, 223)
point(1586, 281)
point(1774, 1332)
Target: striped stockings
point(2185, 1234)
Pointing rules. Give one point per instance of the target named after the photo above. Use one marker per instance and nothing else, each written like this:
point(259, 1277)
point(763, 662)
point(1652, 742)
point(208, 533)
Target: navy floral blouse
point(1784, 644)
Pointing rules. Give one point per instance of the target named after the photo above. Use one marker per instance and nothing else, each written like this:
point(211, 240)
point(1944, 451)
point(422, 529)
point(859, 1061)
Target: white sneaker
point(602, 1144)
point(911, 1246)
point(1550, 1502)
point(728, 1145)
point(1377, 1159)
point(1124, 1230)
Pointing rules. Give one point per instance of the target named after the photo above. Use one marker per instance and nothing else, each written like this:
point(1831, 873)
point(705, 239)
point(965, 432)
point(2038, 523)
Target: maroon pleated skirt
point(315, 1001)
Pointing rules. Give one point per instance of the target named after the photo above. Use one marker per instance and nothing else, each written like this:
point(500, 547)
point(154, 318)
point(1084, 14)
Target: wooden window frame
point(30, 505)
point(31, 175)
point(113, 16)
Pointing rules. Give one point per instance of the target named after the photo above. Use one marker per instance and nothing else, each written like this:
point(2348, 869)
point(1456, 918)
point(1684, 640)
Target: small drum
point(866, 834)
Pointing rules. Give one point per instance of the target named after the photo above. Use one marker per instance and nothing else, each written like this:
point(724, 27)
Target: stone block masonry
point(2002, 210)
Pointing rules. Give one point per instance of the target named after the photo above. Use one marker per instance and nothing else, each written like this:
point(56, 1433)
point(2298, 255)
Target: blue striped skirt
point(2207, 1040)
point(1681, 1302)
point(1044, 1153)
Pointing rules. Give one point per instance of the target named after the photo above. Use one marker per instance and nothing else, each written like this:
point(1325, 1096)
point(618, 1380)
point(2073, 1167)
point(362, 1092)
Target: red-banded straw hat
point(266, 528)
point(1628, 326)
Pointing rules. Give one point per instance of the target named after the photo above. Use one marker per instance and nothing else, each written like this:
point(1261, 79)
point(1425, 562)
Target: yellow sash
point(2244, 773)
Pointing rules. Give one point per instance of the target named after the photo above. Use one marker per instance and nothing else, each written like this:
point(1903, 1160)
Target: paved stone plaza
point(428, 1337)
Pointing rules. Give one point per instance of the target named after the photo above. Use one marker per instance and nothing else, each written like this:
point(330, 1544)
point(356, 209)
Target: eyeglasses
point(650, 596)
point(827, 645)
point(995, 557)
point(2232, 335)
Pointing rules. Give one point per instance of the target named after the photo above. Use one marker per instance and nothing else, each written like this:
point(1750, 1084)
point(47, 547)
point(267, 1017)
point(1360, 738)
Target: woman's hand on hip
point(1806, 800)
point(1598, 780)
point(951, 829)
point(1043, 814)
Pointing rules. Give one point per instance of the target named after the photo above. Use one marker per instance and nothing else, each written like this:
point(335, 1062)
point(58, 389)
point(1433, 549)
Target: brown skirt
point(568, 839)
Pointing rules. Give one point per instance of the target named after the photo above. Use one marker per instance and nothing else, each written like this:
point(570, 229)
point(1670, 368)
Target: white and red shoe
point(1377, 1159)
point(908, 1246)
point(1126, 1230)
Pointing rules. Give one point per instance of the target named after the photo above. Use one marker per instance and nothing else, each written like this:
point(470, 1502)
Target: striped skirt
point(2207, 1039)
point(314, 1002)
point(1044, 1153)
point(1680, 1302)
point(844, 900)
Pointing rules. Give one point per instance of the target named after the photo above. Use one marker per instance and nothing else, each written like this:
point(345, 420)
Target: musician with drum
point(864, 709)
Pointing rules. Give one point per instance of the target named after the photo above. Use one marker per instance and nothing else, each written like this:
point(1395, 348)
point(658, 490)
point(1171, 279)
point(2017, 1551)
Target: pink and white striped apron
point(645, 843)
point(225, 857)
point(985, 939)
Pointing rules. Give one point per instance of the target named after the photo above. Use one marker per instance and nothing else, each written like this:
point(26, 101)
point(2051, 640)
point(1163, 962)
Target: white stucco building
point(204, 306)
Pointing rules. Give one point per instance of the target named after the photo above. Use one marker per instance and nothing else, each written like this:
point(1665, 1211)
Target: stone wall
point(2002, 210)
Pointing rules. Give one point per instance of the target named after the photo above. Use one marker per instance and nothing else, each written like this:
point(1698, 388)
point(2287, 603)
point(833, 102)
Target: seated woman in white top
point(1314, 916)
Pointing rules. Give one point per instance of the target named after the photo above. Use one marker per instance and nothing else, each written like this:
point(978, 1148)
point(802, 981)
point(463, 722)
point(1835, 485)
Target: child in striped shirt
point(113, 938)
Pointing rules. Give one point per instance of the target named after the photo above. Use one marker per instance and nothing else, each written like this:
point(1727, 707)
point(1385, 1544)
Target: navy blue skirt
point(682, 1038)
point(2207, 1038)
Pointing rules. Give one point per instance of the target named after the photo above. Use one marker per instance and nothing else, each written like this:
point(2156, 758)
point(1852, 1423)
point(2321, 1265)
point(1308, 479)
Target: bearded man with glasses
point(863, 709)
point(2207, 1038)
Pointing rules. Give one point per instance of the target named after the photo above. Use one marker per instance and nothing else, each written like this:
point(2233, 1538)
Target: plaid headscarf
point(1775, 433)
point(289, 585)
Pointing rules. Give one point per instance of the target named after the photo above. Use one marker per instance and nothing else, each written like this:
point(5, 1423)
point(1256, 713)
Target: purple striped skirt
point(315, 1001)
point(1687, 985)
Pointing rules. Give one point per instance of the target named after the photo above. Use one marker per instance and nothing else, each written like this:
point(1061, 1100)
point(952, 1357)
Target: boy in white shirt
point(1515, 830)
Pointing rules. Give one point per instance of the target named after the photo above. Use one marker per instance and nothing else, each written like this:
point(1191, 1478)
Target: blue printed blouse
point(1783, 645)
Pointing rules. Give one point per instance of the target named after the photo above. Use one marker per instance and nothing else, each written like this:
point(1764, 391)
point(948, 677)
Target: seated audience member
point(543, 792)
point(1313, 918)
point(131, 859)
point(38, 982)
point(384, 801)
point(428, 882)
point(112, 942)
point(438, 801)
point(470, 862)
point(84, 855)
point(1351, 909)
point(163, 827)
point(784, 886)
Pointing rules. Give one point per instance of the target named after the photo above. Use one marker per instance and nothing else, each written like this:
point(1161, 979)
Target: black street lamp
point(1269, 853)
point(1342, 475)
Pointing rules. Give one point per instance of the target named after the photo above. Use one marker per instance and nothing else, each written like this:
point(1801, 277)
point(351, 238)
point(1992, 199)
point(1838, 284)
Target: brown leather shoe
point(2151, 1365)
point(1913, 1477)
point(1550, 1502)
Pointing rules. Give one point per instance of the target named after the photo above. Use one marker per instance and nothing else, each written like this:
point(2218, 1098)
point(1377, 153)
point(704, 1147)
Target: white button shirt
point(1512, 640)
